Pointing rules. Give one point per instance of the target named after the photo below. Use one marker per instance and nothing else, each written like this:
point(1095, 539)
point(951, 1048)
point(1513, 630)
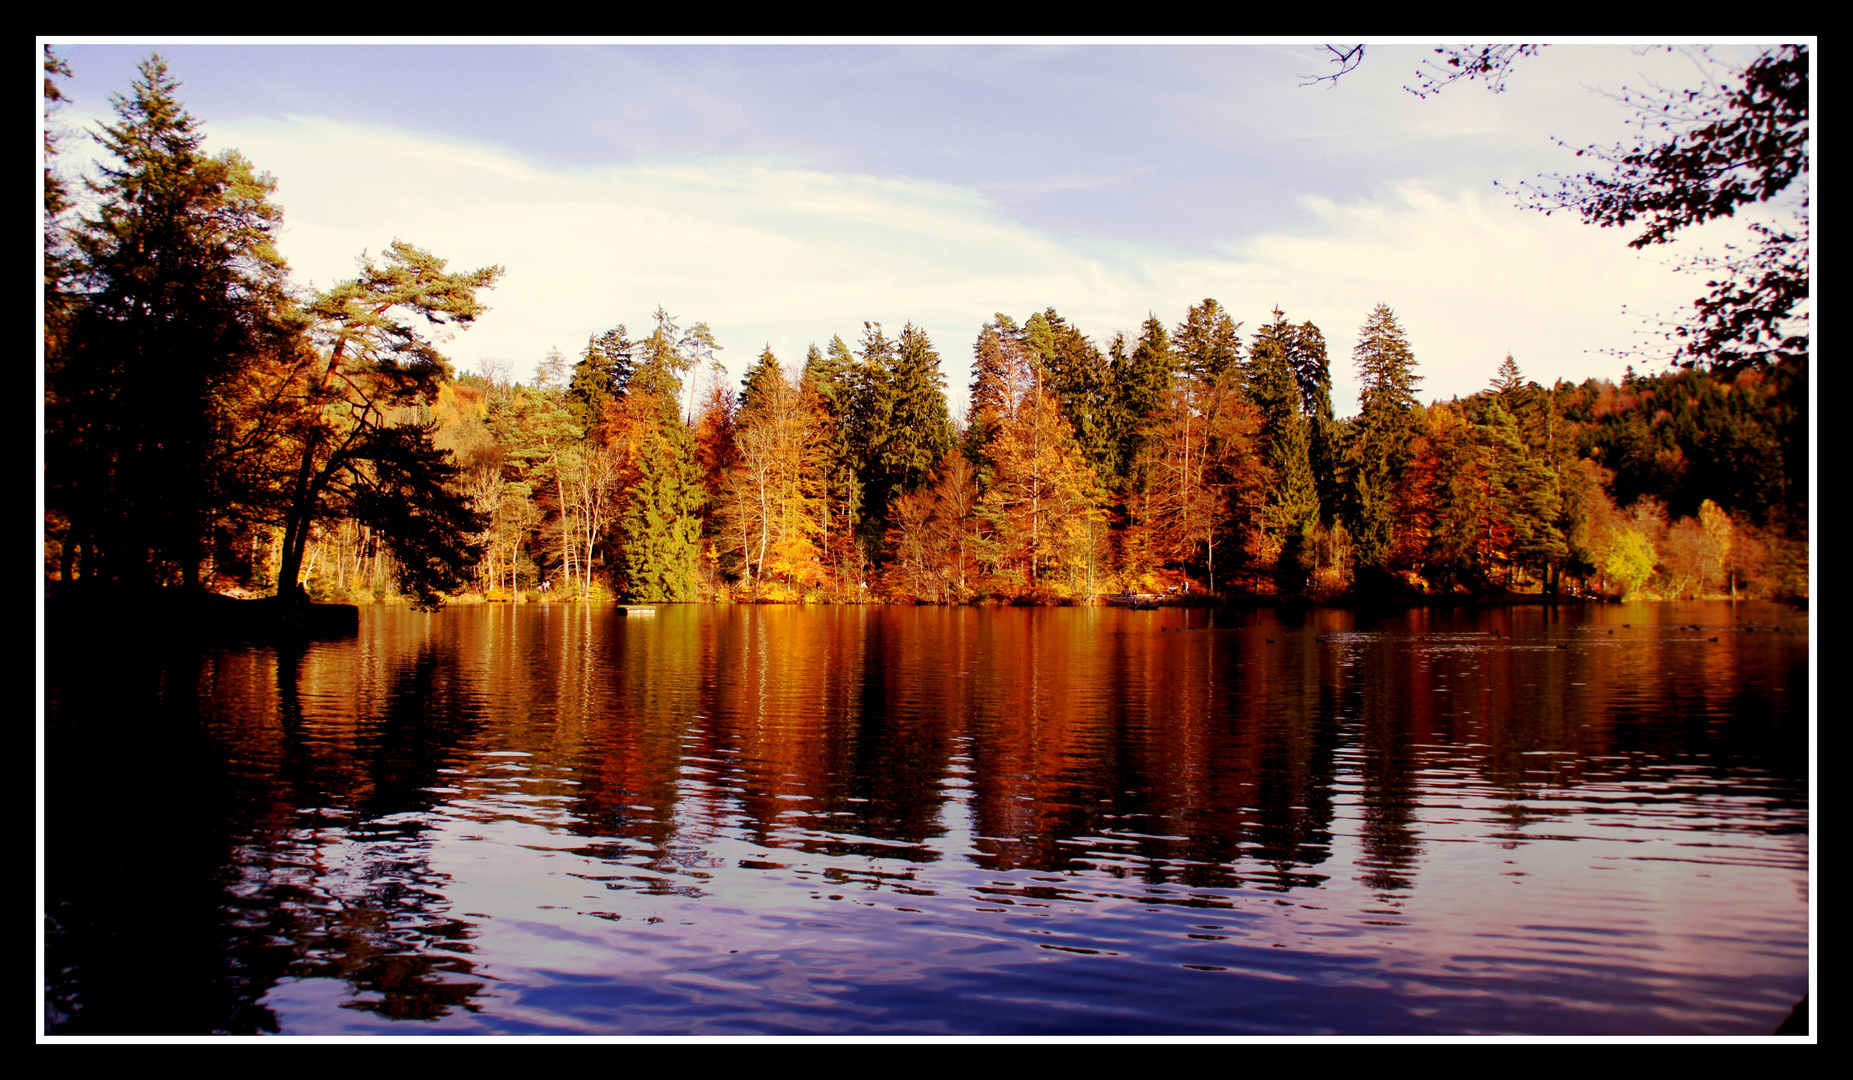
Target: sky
point(785, 192)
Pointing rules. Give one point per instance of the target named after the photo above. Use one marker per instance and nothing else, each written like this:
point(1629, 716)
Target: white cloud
point(790, 257)
point(1470, 278)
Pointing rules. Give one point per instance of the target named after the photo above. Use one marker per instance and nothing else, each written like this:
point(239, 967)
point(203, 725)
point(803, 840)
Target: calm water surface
point(726, 820)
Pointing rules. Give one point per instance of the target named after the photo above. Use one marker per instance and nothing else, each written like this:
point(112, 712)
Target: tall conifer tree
point(921, 431)
point(179, 298)
point(903, 422)
point(603, 372)
point(1082, 381)
point(828, 384)
point(1291, 508)
point(1380, 448)
point(661, 522)
point(1144, 383)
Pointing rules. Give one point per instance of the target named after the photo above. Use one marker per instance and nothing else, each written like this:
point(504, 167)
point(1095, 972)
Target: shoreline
point(206, 613)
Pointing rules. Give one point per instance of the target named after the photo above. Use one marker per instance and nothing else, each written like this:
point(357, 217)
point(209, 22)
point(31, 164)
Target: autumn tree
point(1738, 141)
point(543, 455)
point(772, 497)
point(586, 481)
point(1627, 557)
point(1458, 513)
point(695, 351)
point(1188, 509)
point(935, 536)
point(1044, 501)
point(716, 441)
point(1162, 447)
point(1001, 375)
point(717, 436)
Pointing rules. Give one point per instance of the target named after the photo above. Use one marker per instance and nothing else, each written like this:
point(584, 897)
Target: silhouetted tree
point(375, 364)
point(176, 300)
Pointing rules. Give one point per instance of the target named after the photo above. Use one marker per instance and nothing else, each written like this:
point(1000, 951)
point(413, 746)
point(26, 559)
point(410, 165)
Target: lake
point(738, 820)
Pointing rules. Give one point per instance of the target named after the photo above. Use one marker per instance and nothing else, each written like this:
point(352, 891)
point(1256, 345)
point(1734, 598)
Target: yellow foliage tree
point(1045, 502)
point(772, 499)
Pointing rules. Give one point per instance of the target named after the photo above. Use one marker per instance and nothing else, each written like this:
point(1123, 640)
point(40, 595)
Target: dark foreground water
point(727, 820)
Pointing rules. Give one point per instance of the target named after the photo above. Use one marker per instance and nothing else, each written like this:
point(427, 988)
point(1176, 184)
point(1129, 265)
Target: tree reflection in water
point(281, 847)
point(761, 819)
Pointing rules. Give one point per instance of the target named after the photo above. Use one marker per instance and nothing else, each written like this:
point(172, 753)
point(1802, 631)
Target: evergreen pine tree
point(1379, 449)
point(766, 377)
point(1082, 381)
point(659, 364)
point(1208, 343)
point(871, 393)
point(902, 422)
point(178, 300)
point(1291, 508)
point(1525, 494)
point(60, 265)
point(661, 525)
point(1325, 435)
point(920, 420)
point(602, 374)
point(827, 381)
point(1143, 382)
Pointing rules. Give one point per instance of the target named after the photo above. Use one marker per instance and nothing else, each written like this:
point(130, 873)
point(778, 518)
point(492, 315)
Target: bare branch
point(1346, 59)
point(1488, 63)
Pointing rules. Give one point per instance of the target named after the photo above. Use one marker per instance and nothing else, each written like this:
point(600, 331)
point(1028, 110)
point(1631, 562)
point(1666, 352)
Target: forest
point(209, 425)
